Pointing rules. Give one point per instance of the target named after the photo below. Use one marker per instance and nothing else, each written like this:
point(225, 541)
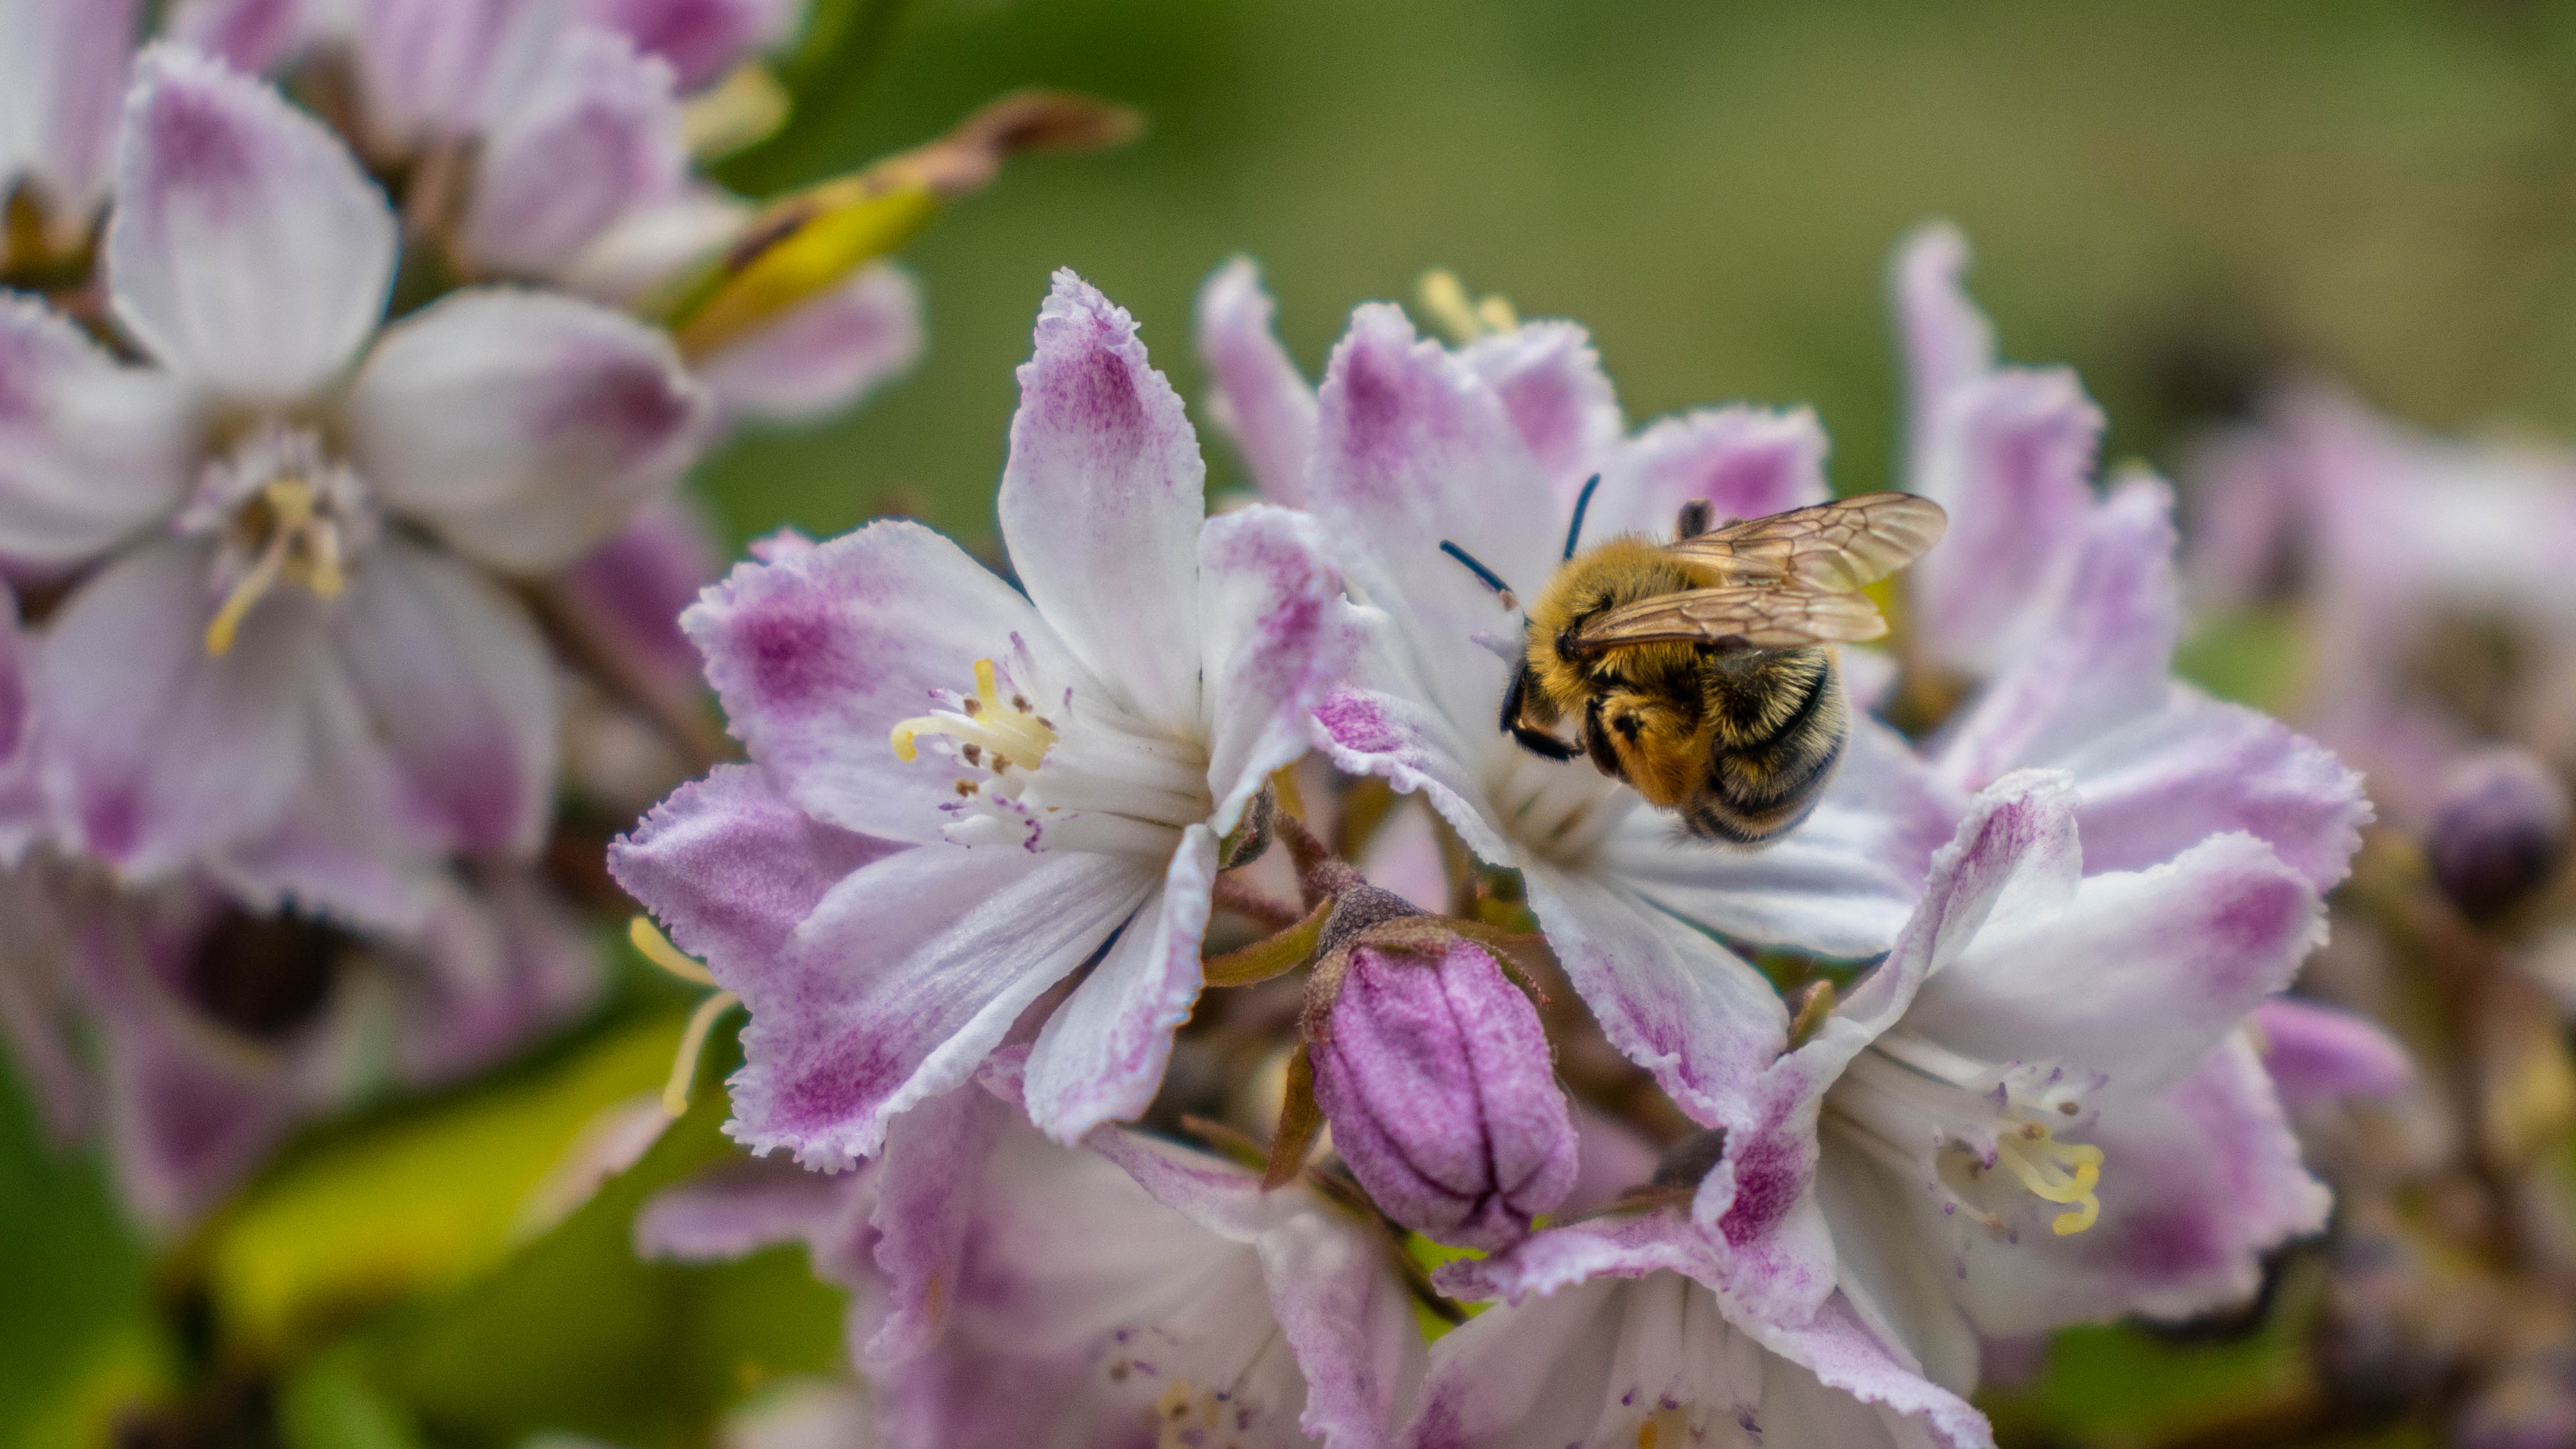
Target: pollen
point(2054, 1171)
point(1445, 303)
point(989, 731)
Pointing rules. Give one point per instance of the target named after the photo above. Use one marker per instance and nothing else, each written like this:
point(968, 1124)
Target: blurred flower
point(304, 694)
point(1615, 1333)
point(1974, 1143)
point(2316, 1053)
point(1012, 1291)
point(215, 1030)
point(1435, 1075)
point(62, 80)
point(1120, 718)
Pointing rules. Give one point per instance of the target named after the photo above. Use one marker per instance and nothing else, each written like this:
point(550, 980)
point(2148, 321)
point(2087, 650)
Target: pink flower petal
point(825, 356)
point(90, 452)
point(62, 78)
point(1260, 400)
point(702, 39)
point(594, 136)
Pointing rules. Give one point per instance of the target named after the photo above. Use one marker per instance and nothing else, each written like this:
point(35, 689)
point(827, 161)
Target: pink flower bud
point(1436, 1078)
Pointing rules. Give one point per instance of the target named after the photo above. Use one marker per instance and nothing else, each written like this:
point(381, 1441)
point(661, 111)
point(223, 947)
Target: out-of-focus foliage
point(2177, 198)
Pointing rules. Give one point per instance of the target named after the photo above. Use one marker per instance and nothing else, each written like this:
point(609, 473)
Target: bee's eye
point(1627, 726)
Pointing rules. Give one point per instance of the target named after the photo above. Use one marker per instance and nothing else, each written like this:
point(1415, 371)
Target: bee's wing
point(1755, 617)
point(1839, 547)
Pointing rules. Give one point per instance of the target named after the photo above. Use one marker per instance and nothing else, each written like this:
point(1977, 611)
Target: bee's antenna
point(1491, 580)
point(1582, 505)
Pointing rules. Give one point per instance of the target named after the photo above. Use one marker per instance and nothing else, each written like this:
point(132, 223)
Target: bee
point(1703, 671)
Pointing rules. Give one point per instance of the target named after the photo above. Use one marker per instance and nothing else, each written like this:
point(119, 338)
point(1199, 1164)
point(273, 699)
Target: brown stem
point(1320, 875)
point(1254, 904)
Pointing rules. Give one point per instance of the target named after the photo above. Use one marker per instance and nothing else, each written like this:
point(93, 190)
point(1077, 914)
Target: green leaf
point(421, 1204)
point(78, 1331)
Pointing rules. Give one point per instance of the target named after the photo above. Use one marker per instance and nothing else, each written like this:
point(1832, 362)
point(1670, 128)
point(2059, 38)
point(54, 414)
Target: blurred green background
point(2181, 199)
point(2176, 197)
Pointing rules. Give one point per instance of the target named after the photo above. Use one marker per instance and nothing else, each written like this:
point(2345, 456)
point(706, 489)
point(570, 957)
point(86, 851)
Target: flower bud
point(1435, 1075)
point(2499, 827)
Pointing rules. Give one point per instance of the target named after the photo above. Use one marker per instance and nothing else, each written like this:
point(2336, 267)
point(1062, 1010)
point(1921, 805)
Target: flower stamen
point(2054, 1171)
point(653, 946)
point(302, 546)
point(986, 729)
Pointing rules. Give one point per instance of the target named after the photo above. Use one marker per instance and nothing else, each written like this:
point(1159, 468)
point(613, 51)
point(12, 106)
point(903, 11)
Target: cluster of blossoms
point(2427, 577)
point(338, 453)
point(1192, 1020)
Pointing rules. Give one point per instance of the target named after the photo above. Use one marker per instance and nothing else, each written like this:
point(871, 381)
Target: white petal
point(173, 752)
point(1101, 504)
point(1278, 635)
point(1101, 1056)
point(525, 426)
point(463, 693)
point(90, 451)
point(246, 250)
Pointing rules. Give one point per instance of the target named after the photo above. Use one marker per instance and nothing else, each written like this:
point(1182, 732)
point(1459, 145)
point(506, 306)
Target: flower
point(1612, 1335)
point(2040, 1108)
point(216, 1030)
point(1436, 1078)
point(1059, 767)
point(1014, 1291)
point(286, 666)
point(62, 77)
point(1488, 448)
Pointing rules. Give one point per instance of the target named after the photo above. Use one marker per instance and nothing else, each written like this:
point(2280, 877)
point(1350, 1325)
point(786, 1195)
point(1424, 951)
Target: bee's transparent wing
point(1838, 547)
point(1772, 616)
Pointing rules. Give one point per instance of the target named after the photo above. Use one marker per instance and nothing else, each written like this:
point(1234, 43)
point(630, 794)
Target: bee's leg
point(1533, 739)
point(1597, 741)
point(1693, 520)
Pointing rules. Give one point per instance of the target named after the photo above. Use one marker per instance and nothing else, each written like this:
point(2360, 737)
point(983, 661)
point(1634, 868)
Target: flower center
point(1992, 1132)
point(1558, 812)
point(1082, 776)
point(282, 512)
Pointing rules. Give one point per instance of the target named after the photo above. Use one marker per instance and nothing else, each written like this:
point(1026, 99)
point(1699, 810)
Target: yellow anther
point(2054, 1171)
point(655, 947)
point(995, 731)
point(1445, 302)
point(293, 520)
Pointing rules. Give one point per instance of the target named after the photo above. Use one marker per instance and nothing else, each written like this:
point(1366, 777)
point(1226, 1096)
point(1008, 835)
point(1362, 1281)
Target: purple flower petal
point(702, 39)
point(2010, 456)
point(737, 1208)
point(593, 136)
point(1552, 388)
point(251, 36)
point(824, 356)
point(525, 427)
point(2317, 1054)
point(820, 652)
point(431, 68)
point(632, 589)
point(246, 250)
point(1101, 504)
point(1948, 343)
point(929, 1190)
point(1260, 400)
point(732, 867)
point(1746, 462)
point(62, 78)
